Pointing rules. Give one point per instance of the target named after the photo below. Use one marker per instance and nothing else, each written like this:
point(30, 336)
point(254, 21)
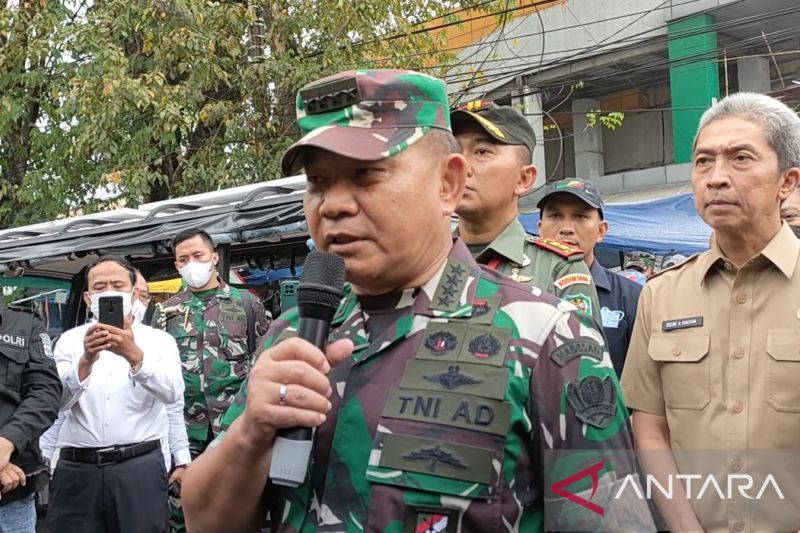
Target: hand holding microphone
point(288, 387)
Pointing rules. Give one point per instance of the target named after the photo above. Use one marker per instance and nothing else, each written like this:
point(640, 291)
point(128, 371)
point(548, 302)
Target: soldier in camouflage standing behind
point(445, 383)
point(498, 143)
point(216, 327)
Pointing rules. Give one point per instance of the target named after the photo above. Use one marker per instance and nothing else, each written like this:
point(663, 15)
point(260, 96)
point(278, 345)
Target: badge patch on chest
point(232, 313)
point(419, 519)
point(682, 323)
point(437, 458)
point(440, 376)
point(453, 378)
point(442, 340)
point(433, 456)
point(485, 345)
point(484, 309)
point(452, 409)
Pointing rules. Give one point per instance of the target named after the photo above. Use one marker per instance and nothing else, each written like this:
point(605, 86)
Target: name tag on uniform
point(17, 341)
point(682, 323)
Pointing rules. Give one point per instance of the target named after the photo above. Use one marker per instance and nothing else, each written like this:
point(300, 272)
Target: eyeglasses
point(145, 298)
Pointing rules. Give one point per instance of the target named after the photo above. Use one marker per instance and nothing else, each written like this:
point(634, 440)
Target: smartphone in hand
point(111, 311)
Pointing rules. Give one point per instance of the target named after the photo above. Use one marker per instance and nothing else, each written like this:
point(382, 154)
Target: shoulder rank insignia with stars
point(454, 280)
point(557, 247)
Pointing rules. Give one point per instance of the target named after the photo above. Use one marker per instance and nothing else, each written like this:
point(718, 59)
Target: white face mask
point(138, 310)
point(196, 274)
point(127, 302)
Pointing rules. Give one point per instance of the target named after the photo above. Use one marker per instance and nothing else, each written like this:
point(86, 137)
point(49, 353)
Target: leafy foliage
point(125, 101)
point(611, 120)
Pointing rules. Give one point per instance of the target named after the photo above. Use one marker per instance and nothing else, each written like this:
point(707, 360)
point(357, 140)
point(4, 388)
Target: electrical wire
point(494, 45)
point(560, 145)
point(736, 23)
point(533, 34)
point(657, 65)
point(503, 72)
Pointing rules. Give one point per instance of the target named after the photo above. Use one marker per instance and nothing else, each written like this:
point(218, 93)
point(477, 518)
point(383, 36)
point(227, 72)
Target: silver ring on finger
point(282, 395)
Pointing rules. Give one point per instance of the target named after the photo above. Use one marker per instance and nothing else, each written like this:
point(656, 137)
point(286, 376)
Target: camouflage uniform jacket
point(211, 334)
point(444, 418)
point(552, 266)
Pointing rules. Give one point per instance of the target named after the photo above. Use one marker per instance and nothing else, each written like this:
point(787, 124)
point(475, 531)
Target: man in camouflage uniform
point(445, 383)
point(215, 326)
point(498, 143)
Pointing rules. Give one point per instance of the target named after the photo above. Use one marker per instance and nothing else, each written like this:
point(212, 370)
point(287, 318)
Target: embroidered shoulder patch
point(594, 400)
point(572, 279)
point(572, 349)
point(558, 248)
point(582, 302)
point(47, 345)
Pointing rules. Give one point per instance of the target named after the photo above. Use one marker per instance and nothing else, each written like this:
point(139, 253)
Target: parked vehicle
point(259, 229)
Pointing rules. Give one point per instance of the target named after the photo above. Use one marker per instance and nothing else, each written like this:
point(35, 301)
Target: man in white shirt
point(117, 381)
point(175, 441)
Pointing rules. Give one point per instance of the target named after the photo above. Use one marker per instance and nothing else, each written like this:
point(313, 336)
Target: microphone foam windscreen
point(322, 281)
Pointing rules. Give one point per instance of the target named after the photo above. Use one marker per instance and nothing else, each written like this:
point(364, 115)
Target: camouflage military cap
point(582, 189)
point(639, 260)
point(367, 115)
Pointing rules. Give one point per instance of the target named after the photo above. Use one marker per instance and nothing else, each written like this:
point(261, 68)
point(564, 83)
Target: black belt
point(108, 455)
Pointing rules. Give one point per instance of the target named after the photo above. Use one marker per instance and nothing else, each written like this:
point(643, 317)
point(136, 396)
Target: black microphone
point(319, 293)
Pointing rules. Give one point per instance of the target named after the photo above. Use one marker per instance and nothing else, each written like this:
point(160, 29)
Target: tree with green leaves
point(126, 101)
point(119, 102)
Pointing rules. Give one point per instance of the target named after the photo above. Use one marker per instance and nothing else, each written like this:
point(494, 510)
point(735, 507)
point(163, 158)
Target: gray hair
point(780, 124)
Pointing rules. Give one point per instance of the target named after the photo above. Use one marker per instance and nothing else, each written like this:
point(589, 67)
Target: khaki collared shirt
point(716, 350)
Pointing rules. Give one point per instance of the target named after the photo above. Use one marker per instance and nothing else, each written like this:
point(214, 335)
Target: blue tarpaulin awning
point(658, 226)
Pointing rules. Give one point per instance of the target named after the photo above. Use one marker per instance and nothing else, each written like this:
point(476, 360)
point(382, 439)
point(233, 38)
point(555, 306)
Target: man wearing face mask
point(143, 308)
point(111, 474)
point(216, 327)
point(142, 312)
